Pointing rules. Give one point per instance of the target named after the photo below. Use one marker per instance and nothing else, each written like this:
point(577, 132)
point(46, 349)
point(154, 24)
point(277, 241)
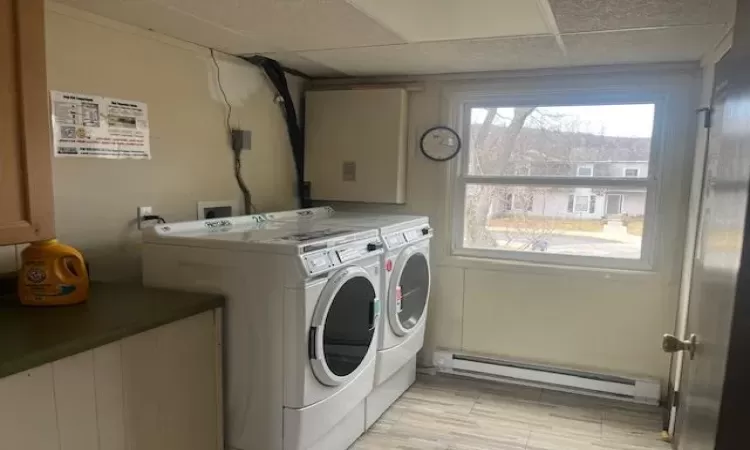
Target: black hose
point(275, 73)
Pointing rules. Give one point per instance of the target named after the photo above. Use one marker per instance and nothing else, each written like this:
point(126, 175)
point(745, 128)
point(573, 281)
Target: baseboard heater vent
point(637, 390)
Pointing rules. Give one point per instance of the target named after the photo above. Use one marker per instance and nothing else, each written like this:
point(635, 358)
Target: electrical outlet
point(143, 211)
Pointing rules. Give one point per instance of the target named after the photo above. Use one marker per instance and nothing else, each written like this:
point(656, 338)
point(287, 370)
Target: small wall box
point(217, 209)
point(355, 144)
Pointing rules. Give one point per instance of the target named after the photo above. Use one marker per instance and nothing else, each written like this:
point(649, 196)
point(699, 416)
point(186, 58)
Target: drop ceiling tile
point(304, 65)
point(642, 46)
point(443, 57)
point(151, 16)
point(291, 25)
point(437, 20)
point(598, 15)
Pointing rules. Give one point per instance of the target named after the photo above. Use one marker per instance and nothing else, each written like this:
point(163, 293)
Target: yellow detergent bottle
point(52, 274)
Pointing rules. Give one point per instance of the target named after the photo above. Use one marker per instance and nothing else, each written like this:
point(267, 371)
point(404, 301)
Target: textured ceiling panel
point(149, 15)
point(304, 65)
point(597, 15)
point(443, 20)
point(444, 57)
point(642, 46)
point(291, 25)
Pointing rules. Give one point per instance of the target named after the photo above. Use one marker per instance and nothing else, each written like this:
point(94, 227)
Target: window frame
point(591, 97)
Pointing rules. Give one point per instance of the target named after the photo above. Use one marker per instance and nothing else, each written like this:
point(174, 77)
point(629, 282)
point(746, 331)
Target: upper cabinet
point(26, 199)
point(355, 145)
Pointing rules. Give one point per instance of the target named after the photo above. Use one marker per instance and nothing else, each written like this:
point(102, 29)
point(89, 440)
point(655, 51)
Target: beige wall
point(96, 199)
point(594, 319)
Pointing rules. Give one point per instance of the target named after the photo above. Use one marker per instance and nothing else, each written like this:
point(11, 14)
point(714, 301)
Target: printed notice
point(99, 127)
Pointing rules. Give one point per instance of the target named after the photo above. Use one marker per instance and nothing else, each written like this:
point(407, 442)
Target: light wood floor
point(447, 413)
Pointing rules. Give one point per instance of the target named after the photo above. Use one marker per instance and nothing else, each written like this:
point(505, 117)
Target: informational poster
point(99, 127)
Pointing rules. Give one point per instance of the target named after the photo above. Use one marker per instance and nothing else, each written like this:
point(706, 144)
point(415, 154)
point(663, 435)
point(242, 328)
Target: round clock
point(440, 143)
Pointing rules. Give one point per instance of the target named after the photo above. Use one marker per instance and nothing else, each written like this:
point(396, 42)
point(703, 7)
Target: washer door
point(343, 326)
point(409, 290)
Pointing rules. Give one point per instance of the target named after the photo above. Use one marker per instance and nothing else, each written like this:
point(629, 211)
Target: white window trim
point(460, 114)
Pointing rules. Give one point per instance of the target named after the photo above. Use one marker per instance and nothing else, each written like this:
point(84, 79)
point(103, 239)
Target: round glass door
point(410, 292)
point(349, 326)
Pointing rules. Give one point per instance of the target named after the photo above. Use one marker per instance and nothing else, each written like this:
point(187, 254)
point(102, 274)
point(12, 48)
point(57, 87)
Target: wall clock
point(440, 143)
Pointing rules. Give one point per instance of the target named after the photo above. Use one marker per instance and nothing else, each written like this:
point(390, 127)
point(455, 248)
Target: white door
point(343, 326)
point(614, 204)
point(409, 290)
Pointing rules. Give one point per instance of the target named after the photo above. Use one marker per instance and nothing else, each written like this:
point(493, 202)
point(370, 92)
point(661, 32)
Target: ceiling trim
point(549, 18)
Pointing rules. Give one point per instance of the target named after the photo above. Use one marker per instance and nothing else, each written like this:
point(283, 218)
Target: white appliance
point(405, 287)
point(302, 320)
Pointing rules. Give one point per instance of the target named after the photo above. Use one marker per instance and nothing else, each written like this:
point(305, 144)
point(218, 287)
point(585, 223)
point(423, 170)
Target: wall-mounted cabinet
point(26, 212)
point(355, 145)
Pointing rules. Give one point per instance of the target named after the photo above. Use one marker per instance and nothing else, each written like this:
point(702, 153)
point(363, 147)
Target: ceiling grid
point(337, 38)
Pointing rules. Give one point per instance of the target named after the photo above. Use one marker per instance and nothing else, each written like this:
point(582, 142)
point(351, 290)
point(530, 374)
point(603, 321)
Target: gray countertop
point(32, 336)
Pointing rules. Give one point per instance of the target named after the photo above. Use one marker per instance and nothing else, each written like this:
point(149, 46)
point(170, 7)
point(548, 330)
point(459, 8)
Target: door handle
point(671, 344)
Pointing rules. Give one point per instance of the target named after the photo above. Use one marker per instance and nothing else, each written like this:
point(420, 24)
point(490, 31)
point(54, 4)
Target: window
point(585, 171)
point(549, 213)
point(582, 204)
point(631, 172)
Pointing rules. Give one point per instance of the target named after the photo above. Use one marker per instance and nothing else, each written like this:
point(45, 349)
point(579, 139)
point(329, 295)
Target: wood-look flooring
point(448, 413)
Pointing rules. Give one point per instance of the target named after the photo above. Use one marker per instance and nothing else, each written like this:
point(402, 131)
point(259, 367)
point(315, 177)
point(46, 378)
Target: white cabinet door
point(75, 401)
point(170, 381)
point(109, 402)
point(27, 411)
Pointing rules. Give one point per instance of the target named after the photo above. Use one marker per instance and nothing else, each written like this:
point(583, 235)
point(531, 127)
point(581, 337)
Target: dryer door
point(343, 326)
point(409, 290)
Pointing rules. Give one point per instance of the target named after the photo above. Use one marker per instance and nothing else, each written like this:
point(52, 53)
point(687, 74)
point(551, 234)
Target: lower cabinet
point(160, 389)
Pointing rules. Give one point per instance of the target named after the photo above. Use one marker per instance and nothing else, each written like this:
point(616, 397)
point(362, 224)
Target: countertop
point(33, 336)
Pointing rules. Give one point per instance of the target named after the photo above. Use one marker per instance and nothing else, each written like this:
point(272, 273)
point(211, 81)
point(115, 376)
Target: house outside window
point(601, 220)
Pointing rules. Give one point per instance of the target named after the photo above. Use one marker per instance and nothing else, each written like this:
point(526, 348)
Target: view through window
point(567, 180)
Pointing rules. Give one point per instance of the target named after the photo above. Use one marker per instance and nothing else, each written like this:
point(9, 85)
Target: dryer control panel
point(408, 236)
point(322, 261)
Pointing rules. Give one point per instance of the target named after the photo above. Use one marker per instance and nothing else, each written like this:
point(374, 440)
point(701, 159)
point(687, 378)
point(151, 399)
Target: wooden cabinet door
point(26, 212)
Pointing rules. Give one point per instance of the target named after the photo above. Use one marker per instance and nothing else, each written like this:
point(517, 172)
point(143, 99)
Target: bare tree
point(490, 152)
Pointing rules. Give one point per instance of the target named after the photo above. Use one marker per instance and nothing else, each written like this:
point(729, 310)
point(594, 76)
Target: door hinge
point(707, 116)
point(676, 399)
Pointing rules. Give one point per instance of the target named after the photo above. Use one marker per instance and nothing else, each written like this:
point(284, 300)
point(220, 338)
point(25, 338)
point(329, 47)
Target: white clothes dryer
point(301, 322)
point(405, 286)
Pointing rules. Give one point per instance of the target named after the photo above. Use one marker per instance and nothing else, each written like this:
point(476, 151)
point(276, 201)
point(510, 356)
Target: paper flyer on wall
point(99, 127)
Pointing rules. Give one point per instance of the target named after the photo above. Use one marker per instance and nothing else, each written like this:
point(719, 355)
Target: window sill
point(542, 268)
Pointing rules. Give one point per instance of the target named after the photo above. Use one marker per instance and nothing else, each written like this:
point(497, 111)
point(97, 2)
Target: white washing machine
point(301, 322)
point(405, 287)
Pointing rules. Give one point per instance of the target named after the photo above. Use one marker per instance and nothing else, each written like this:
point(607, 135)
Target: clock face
point(440, 143)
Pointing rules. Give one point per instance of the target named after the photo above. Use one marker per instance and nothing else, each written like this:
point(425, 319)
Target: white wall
point(96, 199)
point(593, 319)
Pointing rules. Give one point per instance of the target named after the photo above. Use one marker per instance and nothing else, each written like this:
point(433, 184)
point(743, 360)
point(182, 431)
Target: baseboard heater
point(637, 390)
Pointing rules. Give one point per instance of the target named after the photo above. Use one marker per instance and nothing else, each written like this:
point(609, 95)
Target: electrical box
point(355, 145)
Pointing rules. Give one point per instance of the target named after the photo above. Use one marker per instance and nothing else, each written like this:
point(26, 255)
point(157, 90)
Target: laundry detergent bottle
point(52, 274)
